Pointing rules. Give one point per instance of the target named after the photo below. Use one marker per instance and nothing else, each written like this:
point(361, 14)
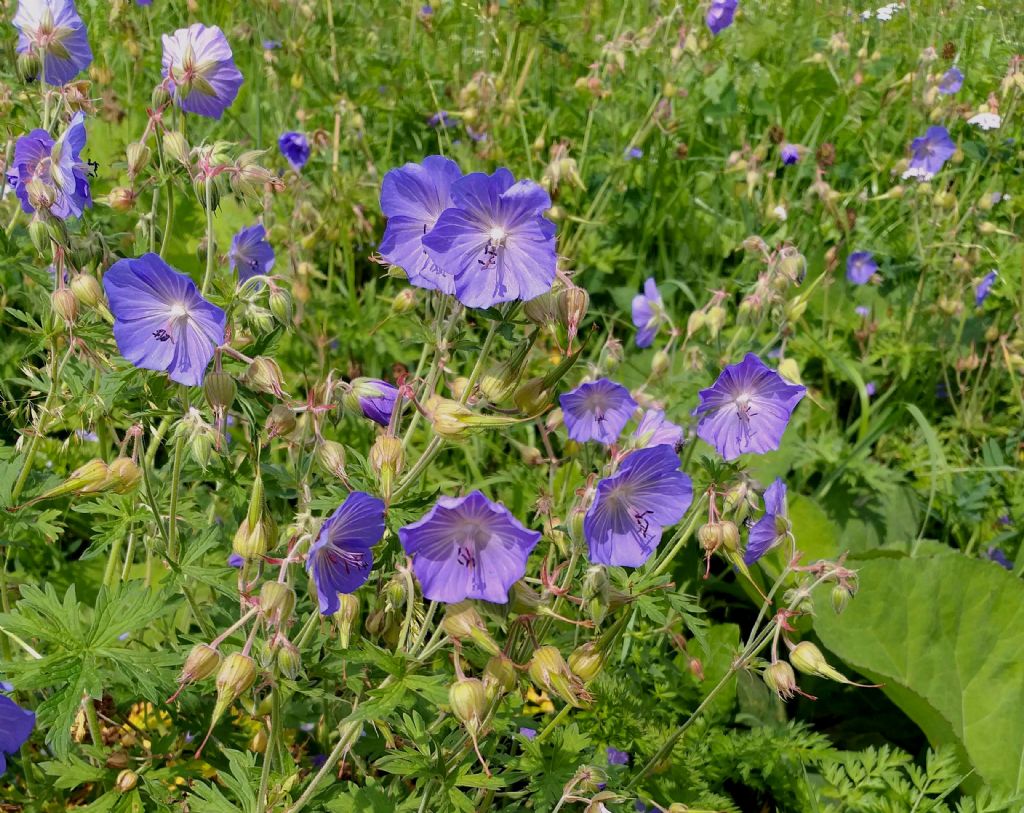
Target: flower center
point(178, 310)
point(497, 234)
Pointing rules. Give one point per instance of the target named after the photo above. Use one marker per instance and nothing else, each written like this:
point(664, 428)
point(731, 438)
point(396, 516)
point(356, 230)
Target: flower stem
point(262, 799)
point(682, 538)
point(172, 520)
point(349, 734)
point(555, 722)
point(478, 368)
point(210, 247)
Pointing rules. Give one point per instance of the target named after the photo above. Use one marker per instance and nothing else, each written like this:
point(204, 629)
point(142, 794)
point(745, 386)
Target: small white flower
point(780, 213)
point(986, 121)
point(918, 174)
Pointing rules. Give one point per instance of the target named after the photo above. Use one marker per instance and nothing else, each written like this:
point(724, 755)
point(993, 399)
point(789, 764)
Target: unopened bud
point(586, 661)
point(661, 362)
point(160, 97)
point(499, 673)
point(840, 598)
point(280, 303)
point(405, 301)
point(28, 66)
point(264, 375)
point(807, 658)
point(462, 622)
point(346, 616)
point(710, 536)
point(280, 421)
point(64, 305)
point(201, 662)
point(236, 676)
point(252, 542)
point(730, 535)
point(715, 320)
point(289, 660)
point(468, 700)
point(277, 601)
point(549, 670)
point(87, 479)
point(126, 781)
point(40, 235)
point(123, 475)
point(177, 148)
point(219, 389)
point(87, 290)
point(780, 678)
point(696, 321)
point(531, 396)
point(543, 310)
point(331, 456)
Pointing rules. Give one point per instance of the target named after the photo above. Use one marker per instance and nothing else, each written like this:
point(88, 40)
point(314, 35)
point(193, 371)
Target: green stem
point(95, 732)
point(347, 739)
point(682, 538)
point(262, 799)
point(555, 722)
point(478, 368)
point(210, 247)
point(428, 454)
point(172, 521)
point(113, 560)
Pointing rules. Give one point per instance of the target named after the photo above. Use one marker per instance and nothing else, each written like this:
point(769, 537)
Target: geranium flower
point(495, 241)
point(747, 409)
point(789, 153)
point(597, 410)
point(250, 253)
point(200, 70)
point(55, 167)
point(16, 725)
point(373, 397)
point(720, 15)
point(53, 31)
point(930, 153)
point(657, 430)
point(412, 197)
point(648, 313)
point(295, 148)
point(341, 557)
point(951, 81)
point(772, 528)
point(468, 547)
point(984, 288)
point(860, 267)
point(161, 322)
point(631, 508)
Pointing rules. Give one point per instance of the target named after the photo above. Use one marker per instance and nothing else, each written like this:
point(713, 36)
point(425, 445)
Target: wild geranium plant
point(362, 458)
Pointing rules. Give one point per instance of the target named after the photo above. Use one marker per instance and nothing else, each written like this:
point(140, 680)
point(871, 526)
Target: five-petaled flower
point(468, 547)
point(52, 31)
point(200, 70)
point(984, 288)
point(747, 409)
point(50, 175)
point(161, 321)
point(250, 253)
point(720, 15)
point(373, 397)
point(295, 148)
point(644, 496)
point(655, 429)
point(930, 153)
point(951, 81)
point(772, 528)
point(648, 313)
point(597, 410)
point(861, 267)
point(341, 557)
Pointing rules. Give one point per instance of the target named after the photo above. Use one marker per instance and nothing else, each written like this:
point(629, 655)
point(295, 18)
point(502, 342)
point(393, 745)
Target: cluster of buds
point(549, 671)
point(119, 477)
point(199, 435)
point(711, 317)
point(257, 534)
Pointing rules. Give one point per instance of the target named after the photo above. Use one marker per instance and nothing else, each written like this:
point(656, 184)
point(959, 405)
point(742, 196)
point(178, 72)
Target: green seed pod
point(499, 674)
point(807, 658)
point(347, 617)
point(289, 660)
point(124, 475)
point(87, 290)
point(730, 536)
point(710, 536)
point(201, 662)
point(280, 303)
point(220, 389)
point(64, 304)
point(277, 601)
point(586, 661)
point(468, 700)
point(252, 542)
point(280, 421)
point(462, 621)
point(331, 456)
point(549, 670)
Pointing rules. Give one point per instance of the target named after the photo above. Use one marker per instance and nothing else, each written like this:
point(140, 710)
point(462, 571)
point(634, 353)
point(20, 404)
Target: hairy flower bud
point(710, 536)
point(280, 421)
point(331, 456)
point(177, 147)
point(462, 622)
point(123, 475)
point(531, 396)
point(126, 781)
point(840, 598)
point(405, 301)
point(289, 660)
point(87, 290)
point(549, 670)
point(87, 479)
point(468, 700)
point(280, 303)
point(219, 389)
point(202, 661)
point(499, 674)
point(65, 305)
point(138, 156)
point(277, 601)
point(586, 661)
point(661, 363)
point(780, 678)
point(807, 658)
point(264, 375)
point(253, 541)
point(543, 310)
point(347, 616)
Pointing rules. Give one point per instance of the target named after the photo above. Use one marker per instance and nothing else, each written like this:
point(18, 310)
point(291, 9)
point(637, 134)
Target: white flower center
point(496, 234)
point(178, 310)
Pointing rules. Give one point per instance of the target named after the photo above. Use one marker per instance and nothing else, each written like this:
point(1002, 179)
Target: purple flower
point(442, 119)
point(870, 389)
point(295, 148)
point(161, 322)
point(617, 757)
point(143, 2)
point(997, 556)
point(984, 288)
point(341, 557)
point(235, 560)
point(633, 153)
point(200, 71)
point(772, 528)
point(250, 253)
point(648, 313)
point(468, 547)
point(53, 31)
point(495, 240)
point(16, 725)
point(951, 81)
point(597, 410)
point(647, 494)
point(412, 198)
point(860, 267)
point(790, 153)
point(270, 45)
point(862, 310)
point(1004, 520)
point(657, 430)
point(720, 15)
point(930, 152)
point(373, 397)
point(529, 733)
point(747, 409)
point(56, 168)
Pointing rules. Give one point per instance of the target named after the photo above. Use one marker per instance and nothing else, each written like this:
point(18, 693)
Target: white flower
point(986, 121)
point(780, 213)
point(918, 174)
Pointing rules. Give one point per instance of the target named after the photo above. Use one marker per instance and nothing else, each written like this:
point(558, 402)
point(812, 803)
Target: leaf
point(944, 635)
point(362, 800)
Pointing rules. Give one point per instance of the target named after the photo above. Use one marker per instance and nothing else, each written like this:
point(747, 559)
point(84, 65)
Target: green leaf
point(362, 800)
point(944, 635)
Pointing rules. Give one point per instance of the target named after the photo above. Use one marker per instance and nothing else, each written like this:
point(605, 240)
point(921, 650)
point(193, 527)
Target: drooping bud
point(710, 536)
point(462, 621)
point(64, 305)
point(499, 675)
point(254, 541)
point(28, 65)
point(220, 389)
point(331, 456)
point(201, 662)
point(500, 381)
point(730, 535)
point(405, 301)
point(780, 678)
point(549, 670)
point(387, 456)
point(715, 319)
point(523, 599)
point(264, 375)
point(40, 235)
point(236, 676)
point(595, 593)
point(543, 310)
point(280, 421)
point(807, 658)
point(395, 594)
point(573, 303)
point(289, 660)
point(277, 601)
point(177, 147)
point(840, 598)
point(138, 156)
point(124, 475)
point(347, 616)
point(280, 303)
point(126, 781)
point(160, 97)
point(532, 396)
point(587, 661)
point(661, 362)
point(87, 290)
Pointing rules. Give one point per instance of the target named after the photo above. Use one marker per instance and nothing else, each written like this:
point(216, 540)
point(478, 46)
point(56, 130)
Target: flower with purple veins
point(657, 430)
point(52, 30)
point(250, 253)
point(951, 81)
point(772, 528)
point(495, 240)
point(468, 547)
point(161, 322)
point(720, 15)
point(295, 148)
point(412, 197)
point(617, 757)
point(930, 153)
point(597, 410)
point(789, 153)
point(648, 313)
point(57, 166)
point(373, 397)
point(341, 557)
point(984, 288)
point(200, 70)
point(632, 507)
point(16, 725)
point(747, 409)
point(860, 267)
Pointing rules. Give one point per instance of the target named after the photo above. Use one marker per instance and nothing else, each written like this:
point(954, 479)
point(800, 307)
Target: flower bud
point(696, 321)
point(780, 678)
point(448, 418)
point(331, 456)
point(730, 535)
point(264, 375)
point(586, 661)
point(462, 621)
point(289, 660)
point(807, 658)
point(40, 235)
point(121, 199)
point(138, 156)
point(347, 616)
point(394, 594)
point(219, 389)
point(28, 66)
point(715, 320)
point(277, 601)
point(523, 599)
point(710, 536)
point(840, 598)
point(405, 301)
point(126, 781)
point(596, 588)
point(531, 396)
point(202, 661)
point(41, 196)
point(253, 541)
point(543, 310)
point(388, 454)
point(499, 674)
point(280, 303)
point(573, 303)
point(177, 147)
point(549, 670)
point(87, 290)
point(87, 479)
point(468, 700)
point(64, 305)
point(280, 421)
point(661, 362)
point(160, 97)
point(123, 475)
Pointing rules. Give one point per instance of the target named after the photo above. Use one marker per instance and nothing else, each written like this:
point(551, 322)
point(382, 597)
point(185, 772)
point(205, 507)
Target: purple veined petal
point(16, 726)
point(523, 269)
point(65, 49)
point(762, 538)
point(656, 483)
point(250, 253)
point(135, 342)
point(402, 246)
point(523, 202)
point(419, 192)
point(597, 410)
point(479, 194)
point(655, 429)
point(295, 148)
point(210, 82)
point(358, 521)
point(192, 354)
point(775, 498)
